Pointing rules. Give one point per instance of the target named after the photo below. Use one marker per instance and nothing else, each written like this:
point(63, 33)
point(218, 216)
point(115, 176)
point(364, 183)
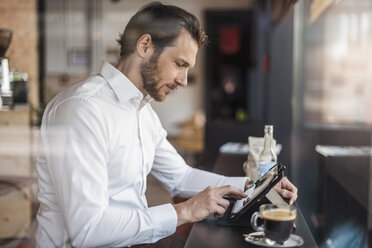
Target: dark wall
point(279, 84)
point(218, 133)
point(268, 81)
point(229, 58)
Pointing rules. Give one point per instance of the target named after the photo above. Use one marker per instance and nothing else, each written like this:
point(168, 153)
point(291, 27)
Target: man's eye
point(178, 64)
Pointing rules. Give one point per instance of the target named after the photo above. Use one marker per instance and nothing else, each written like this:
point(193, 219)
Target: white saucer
point(258, 238)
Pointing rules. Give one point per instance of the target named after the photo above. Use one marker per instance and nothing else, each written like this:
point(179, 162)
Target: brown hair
point(164, 23)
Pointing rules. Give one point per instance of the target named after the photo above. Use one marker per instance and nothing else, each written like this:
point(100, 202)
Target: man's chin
point(159, 98)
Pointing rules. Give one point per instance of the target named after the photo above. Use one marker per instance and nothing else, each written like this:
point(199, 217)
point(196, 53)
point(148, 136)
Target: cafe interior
point(302, 66)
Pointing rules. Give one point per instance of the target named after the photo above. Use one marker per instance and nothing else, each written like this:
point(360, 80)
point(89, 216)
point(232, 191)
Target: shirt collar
point(124, 89)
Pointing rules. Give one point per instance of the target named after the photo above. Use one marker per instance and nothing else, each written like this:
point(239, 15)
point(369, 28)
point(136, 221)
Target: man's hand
point(207, 202)
point(287, 190)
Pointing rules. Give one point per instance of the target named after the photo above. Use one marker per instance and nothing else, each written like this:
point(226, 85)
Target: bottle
point(267, 157)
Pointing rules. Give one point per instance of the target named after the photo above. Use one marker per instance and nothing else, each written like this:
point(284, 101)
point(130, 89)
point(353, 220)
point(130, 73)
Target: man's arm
point(180, 179)
point(209, 201)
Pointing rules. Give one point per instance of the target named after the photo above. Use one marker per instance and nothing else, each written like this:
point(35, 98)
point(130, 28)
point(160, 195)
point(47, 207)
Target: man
point(100, 138)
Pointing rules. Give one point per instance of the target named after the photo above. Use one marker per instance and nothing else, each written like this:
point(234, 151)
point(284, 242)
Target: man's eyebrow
point(184, 62)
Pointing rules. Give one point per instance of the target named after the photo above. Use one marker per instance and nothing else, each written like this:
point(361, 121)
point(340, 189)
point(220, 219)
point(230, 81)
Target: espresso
point(278, 224)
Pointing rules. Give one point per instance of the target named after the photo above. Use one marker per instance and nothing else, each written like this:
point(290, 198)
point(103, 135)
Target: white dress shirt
point(99, 140)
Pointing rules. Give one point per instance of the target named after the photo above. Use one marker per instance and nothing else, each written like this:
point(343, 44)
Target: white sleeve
point(179, 178)
point(196, 180)
point(78, 170)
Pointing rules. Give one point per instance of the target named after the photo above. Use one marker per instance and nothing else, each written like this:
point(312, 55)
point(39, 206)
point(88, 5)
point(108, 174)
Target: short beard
point(150, 77)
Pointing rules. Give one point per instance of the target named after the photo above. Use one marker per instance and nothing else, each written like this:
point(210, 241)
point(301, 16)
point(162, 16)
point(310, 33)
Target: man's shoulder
point(87, 89)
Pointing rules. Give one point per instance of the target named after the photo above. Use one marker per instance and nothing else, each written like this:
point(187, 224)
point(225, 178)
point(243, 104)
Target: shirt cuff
point(238, 182)
point(164, 219)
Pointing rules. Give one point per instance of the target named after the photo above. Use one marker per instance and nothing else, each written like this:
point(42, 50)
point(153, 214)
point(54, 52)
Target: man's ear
point(144, 45)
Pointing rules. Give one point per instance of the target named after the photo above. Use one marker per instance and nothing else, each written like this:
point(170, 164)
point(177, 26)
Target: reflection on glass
point(338, 73)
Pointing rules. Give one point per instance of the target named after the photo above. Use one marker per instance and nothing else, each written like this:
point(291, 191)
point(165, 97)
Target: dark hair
point(164, 23)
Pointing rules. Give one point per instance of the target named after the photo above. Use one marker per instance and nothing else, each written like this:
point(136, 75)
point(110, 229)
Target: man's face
point(164, 72)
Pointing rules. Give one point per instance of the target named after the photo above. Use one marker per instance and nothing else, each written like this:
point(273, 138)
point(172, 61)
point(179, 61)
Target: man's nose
point(182, 79)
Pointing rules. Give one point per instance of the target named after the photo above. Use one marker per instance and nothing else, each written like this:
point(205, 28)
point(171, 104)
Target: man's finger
point(223, 203)
point(220, 211)
point(293, 199)
point(288, 185)
point(231, 191)
point(288, 195)
point(285, 193)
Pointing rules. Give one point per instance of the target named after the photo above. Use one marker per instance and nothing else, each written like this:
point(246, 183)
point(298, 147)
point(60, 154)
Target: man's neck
point(130, 67)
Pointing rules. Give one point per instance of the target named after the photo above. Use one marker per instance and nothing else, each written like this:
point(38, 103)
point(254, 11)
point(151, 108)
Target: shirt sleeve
point(75, 134)
point(179, 178)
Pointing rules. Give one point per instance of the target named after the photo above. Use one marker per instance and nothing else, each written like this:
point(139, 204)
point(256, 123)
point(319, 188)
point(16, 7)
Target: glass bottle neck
point(268, 153)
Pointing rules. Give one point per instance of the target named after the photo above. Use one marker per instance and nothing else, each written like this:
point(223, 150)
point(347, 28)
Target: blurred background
point(302, 66)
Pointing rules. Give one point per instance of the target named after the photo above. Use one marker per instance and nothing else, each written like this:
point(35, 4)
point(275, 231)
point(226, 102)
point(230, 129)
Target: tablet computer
point(262, 187)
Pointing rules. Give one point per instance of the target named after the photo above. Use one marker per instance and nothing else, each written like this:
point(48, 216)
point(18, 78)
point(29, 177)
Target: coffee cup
point(277, 223)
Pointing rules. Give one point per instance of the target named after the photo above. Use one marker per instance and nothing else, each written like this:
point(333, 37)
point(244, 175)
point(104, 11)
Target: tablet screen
point(261, 184)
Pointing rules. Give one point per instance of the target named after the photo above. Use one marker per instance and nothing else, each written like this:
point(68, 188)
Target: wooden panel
point(15, 117)
point(15, 160)
point(15, 214)
point(15, 143)
point(21, 17)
